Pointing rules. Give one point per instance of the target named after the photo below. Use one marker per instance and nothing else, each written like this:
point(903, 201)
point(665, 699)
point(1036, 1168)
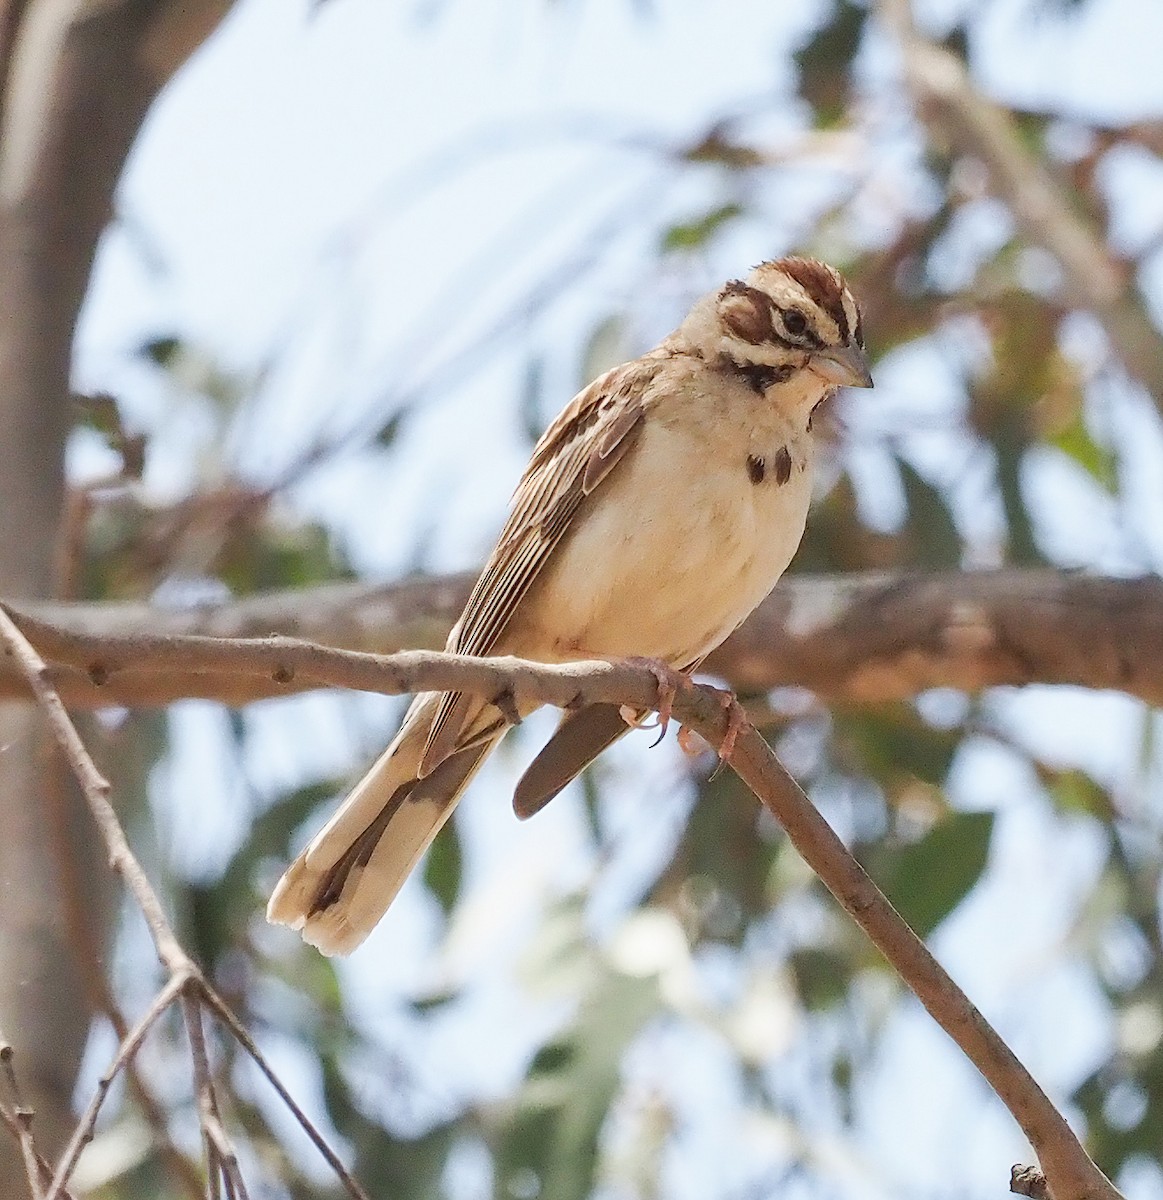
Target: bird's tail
point(336, 891)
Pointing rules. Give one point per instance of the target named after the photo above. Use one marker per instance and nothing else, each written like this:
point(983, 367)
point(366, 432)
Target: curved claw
point(669, 681)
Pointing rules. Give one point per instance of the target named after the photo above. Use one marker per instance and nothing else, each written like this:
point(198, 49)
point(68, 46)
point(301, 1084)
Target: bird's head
point(792, 323)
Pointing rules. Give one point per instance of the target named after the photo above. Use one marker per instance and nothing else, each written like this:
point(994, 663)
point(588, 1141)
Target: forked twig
point(240, 1034)
point(83, 1133)
point(22, 1115)
point(185, 977)
point(9, 1121)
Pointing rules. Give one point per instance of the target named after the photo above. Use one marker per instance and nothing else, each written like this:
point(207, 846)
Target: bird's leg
point(736, 723)
point(669, 681)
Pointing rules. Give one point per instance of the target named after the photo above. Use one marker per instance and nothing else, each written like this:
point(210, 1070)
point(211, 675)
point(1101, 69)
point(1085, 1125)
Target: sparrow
point(657, 510)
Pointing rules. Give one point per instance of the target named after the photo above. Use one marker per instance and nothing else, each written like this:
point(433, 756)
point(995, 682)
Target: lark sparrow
point(657, 511)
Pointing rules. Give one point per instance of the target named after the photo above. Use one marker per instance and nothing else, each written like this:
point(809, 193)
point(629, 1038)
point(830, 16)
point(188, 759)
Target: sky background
point(344, 204)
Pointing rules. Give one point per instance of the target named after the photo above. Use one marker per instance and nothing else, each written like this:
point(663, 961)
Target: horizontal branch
point(854, 638)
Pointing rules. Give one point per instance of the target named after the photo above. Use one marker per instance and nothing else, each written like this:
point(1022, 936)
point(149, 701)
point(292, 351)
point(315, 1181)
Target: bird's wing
point(575, 454)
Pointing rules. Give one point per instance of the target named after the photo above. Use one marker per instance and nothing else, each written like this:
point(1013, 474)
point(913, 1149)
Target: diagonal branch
point(185, 978)
point(22, 1116)
point(1069, 1170)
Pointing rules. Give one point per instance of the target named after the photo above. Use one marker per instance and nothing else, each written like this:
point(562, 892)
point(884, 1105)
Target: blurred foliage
point(742, 906)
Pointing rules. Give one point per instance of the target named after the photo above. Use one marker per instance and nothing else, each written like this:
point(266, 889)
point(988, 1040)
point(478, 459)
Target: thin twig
point(240, 1034)
point(88, 953)
point(217, 1149)
point(185, 980)
point(1072, 1173)
point(1094, 277)
point(10, 1122)
point(83, 1133)
point(23, 1115)
point(231, 1172)
point(96, 791)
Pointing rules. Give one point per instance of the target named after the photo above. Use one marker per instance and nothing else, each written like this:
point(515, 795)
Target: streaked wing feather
point(575, 454)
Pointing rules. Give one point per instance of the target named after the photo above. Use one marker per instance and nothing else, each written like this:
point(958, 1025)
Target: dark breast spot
point(756, 468)
point(783, 465)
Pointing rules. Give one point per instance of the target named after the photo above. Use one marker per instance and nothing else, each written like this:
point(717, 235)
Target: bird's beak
point(845, 365)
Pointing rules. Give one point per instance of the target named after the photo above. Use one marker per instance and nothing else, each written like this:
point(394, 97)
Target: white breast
point(677, 548)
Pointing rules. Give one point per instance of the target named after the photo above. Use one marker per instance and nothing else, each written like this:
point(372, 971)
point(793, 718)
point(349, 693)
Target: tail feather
point(341, 885)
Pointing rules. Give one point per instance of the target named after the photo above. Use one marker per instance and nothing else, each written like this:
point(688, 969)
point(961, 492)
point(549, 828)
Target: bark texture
point(849, 639)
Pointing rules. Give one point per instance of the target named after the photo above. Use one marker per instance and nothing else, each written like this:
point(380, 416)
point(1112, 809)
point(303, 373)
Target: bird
point(656, 512)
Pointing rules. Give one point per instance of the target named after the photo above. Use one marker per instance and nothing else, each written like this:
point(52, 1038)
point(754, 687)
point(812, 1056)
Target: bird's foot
point(669, 681)
point(693, 744)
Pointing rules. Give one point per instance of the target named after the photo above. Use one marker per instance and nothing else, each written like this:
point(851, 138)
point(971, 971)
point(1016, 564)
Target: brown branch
point(1093, 277)
point(76, 79)
point(215, 1145)
point(859, 638)
point(1029, 1181)
point(23, 1116)
point(127, 1048)
point(185, 978)
point(239, 1032)
point(1071, 1173)
point(12, 1123)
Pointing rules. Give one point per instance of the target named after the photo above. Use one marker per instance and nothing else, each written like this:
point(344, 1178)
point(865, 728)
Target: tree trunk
point(76, 80)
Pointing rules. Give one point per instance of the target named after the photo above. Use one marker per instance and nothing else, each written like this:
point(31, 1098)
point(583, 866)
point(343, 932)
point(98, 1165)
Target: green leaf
point(723, 859)
point(893, 745)
point(1075, 791)
point(1097, 461)
point(390, 430)
point(691, 234)
point(825, 62)
point(162, 350)
point(443, 867)
point(822, 977)
point(1010, 446)
point(552, 1140)
point(927, 879)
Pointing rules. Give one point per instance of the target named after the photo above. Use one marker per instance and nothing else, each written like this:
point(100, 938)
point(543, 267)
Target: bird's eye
point(794, 321)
